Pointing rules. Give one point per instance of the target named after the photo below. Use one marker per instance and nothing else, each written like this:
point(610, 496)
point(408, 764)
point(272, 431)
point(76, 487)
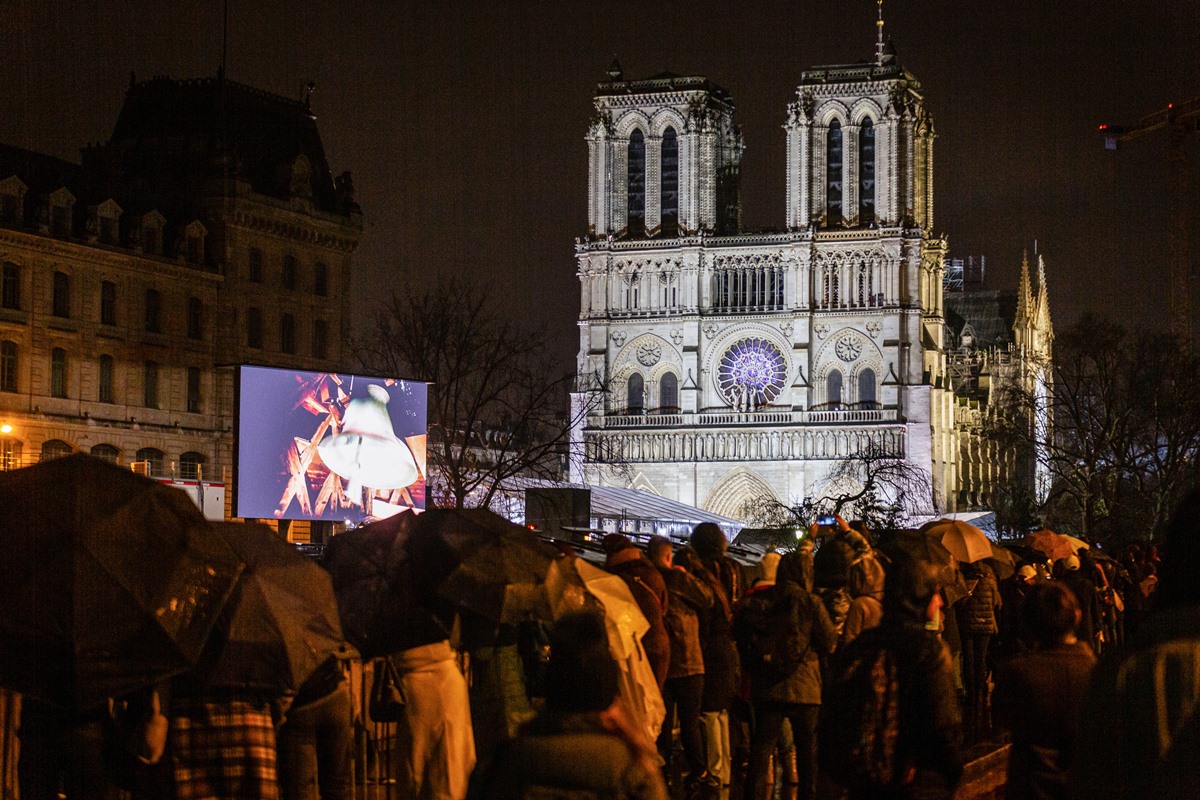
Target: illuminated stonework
point(751, 374)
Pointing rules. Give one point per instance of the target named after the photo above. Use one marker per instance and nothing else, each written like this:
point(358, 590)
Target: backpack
point(768, 634)
point(860, 718)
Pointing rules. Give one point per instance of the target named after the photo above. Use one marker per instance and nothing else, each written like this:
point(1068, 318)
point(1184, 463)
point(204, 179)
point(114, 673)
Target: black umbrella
point(281, 622)
point(109, 581)
point(925, 548)
point(481, 562)
point(378, 600)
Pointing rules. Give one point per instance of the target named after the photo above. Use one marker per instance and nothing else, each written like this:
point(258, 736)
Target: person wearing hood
point(1140, 729)
point(927, 762)
point(866, 598)
point(624, 559)
point(707, 560)
point(1067, 570)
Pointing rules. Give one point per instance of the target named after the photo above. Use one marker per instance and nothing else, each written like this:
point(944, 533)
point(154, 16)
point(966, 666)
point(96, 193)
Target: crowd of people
point(857, 662)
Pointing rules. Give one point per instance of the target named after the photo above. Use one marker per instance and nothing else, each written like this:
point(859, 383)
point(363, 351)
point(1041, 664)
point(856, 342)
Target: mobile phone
point(827, 520)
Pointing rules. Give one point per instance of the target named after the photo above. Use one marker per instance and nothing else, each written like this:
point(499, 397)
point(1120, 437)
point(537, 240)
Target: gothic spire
point(879, 34)
point(1043, 296)
point(1024, 291)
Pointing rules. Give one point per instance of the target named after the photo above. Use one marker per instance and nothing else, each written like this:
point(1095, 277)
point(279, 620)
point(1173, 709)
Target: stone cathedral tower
point(736, 366)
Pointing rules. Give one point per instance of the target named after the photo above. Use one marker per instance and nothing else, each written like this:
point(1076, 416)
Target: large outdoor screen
point(328, 446)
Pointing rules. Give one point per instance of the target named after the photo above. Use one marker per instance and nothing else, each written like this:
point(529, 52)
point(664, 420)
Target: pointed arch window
point(669, 187)
point(833, 173)
point(833, 390)
point(866, 389)
point(636, 185)
point(668, 394)
point(866, 172)
point(634, 394)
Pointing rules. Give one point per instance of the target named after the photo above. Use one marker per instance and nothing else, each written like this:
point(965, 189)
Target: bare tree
point(876, 484)
point(498, 403)
point(1126, 429)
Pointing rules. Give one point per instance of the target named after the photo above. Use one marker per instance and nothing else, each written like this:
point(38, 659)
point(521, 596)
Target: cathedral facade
point(720, 368)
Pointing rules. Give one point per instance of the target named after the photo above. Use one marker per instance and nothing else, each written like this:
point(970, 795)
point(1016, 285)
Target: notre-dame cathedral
point(719, 367)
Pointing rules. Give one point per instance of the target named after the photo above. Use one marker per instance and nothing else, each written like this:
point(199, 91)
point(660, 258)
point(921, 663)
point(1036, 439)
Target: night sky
point(463, 122)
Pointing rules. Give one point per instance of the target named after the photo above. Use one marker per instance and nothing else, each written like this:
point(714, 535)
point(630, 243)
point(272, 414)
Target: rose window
point(751, 374)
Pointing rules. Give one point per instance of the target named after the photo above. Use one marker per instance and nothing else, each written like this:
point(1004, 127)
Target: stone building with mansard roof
point(207, 231)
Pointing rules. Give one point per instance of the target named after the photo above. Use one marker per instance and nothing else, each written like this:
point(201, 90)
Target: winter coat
point(866, 604)
point(812, 624)
point(687, 599)
point(646, 584)
point(1089, 604)
point(1040, 695)
point(977, 611)
point(1140, 730)
point(722, 676)
point(569, 757)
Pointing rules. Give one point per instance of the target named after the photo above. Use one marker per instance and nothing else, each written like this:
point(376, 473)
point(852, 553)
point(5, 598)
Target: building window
point(10, 453)
point(256, 261)
point(8, 366)
point(153, 311)
point(319, 347)
point(61, 298)
point(60, 220)
point(195, 323)
point(287, 333)
point(108, 230)
point(106, 452)
point(195, 250)
point(833, 173)
point(833, 390)
point(55, 448)
point(669, 190)
point(254, 327)
point(191, 466)
point(635, 394)
point(10, 289)
point(866, 389)
point(150, 385)
point(636, 185)
point(58, 372)
point(151, 240)
point(320, 279)
point(104, 390)
point(193, 390)
point(866, 172)
point(153, 459)
point(108, 303)
point(668, 394)
point(289, 272)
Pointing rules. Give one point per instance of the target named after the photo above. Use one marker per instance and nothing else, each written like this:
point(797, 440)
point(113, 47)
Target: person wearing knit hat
point(624, 559)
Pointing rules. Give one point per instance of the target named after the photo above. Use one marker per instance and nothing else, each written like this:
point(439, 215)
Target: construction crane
point(1178, 119)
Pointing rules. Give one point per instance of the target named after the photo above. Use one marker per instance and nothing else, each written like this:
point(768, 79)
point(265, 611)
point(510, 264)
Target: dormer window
point(62, 206)
point(106, 218)
point(12, 200)
point(152, 233)
point(193, 243)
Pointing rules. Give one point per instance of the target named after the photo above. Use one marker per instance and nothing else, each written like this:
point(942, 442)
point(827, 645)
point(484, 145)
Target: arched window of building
point(106, 452)
point(104, 384)
point(668, 394)
point(320, 279)
point(833, 390)
point(866, 172)
point(288, 274)
point(154, 458)
point(10, 291)
point(833, 173)
point(8, 366)
point(669, 185)
point(55, 448)
point(636, 185)
point(58, 372)
point(634, 394)
point(866, 389)
point(190, 466)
